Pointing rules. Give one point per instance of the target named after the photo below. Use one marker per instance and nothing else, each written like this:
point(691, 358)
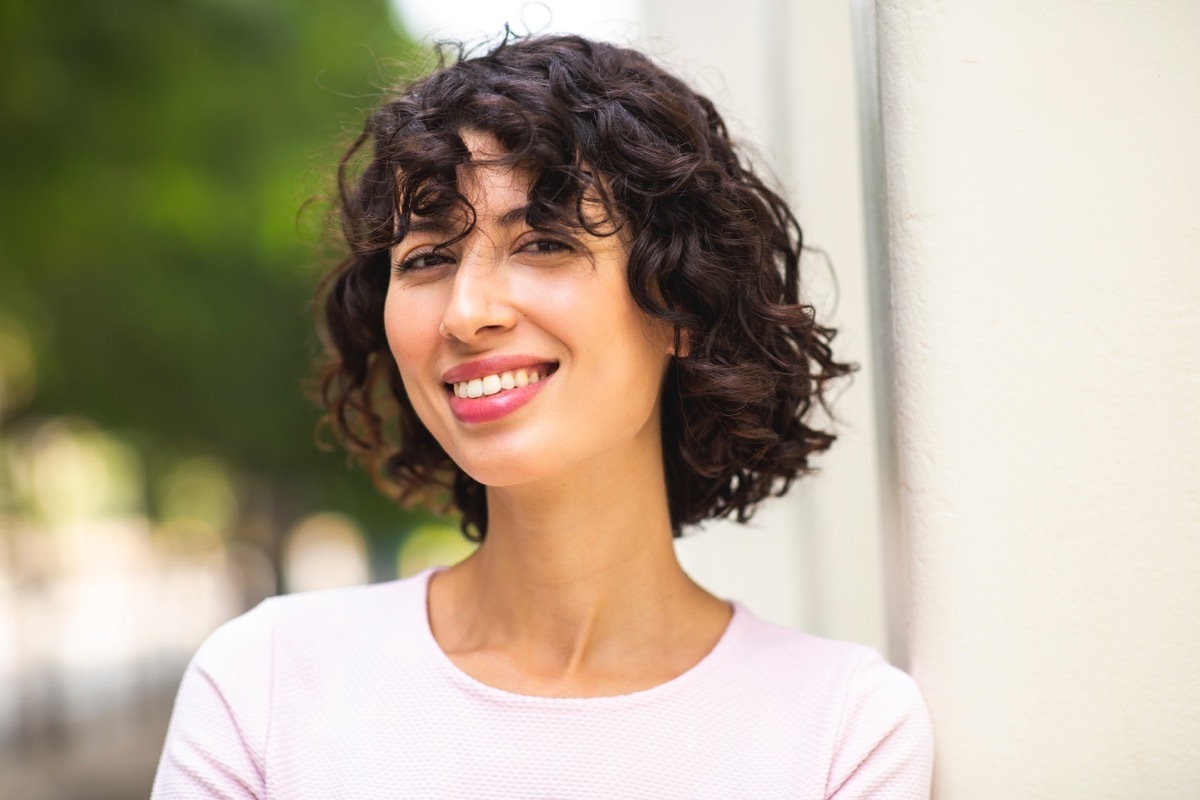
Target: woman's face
point(523, 351)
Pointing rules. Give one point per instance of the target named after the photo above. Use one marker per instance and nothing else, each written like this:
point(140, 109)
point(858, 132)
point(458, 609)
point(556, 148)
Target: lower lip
point(492, 407)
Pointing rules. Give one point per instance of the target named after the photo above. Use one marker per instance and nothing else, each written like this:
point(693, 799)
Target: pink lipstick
point(490, 388)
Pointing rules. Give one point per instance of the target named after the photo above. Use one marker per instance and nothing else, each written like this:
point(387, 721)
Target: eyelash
point(557, 246)
point(409, 264)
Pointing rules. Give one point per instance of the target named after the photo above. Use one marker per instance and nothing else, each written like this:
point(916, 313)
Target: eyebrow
point(511, 217)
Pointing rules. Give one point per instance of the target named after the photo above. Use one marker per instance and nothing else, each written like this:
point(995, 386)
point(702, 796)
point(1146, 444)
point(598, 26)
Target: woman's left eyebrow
point(514, 216)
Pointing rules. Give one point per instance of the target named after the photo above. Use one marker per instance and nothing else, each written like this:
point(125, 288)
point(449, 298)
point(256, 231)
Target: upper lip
point(492, 365)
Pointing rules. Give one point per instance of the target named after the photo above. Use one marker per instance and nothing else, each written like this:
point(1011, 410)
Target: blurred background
point(164, 168)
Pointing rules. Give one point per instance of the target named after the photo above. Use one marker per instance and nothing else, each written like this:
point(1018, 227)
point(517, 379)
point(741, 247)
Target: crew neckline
point(486, 691)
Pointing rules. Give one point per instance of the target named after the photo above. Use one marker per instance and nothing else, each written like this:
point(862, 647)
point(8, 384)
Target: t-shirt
point(346, 694)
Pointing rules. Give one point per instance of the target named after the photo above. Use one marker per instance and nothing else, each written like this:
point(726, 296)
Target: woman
point(570, 304)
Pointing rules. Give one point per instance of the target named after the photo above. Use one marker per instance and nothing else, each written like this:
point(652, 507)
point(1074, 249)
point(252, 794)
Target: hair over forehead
point(585, 120)
point(453, 208)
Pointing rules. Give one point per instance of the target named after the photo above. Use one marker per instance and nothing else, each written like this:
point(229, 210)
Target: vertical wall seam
point(895, 552)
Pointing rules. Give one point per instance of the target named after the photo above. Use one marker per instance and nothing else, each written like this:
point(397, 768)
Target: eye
point(422, 260)
point(544, 245)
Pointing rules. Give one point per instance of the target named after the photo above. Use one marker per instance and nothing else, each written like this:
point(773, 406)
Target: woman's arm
point(885, 746)
point(216, 742)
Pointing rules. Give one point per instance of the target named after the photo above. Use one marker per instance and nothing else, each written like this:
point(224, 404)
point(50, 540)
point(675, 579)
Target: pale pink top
point(346, 694)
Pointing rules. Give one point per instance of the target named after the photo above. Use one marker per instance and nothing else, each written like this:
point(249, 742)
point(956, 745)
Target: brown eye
point(545, 246)
point(427, 259)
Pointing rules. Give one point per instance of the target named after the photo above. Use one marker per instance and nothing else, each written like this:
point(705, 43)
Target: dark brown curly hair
point(713, 251)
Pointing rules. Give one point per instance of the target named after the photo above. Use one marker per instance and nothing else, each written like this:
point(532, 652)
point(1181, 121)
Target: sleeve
point(885, 746)
point(216, 740)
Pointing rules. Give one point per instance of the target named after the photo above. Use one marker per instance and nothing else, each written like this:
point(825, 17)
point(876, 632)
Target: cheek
point(626, 352)
point(411, 324)
point(408, 324)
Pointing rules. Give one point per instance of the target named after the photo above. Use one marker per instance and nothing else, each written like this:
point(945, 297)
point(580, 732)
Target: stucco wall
point(1043, 199)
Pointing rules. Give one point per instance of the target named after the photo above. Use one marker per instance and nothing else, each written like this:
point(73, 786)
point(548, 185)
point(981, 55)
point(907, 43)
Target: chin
point(500, 473)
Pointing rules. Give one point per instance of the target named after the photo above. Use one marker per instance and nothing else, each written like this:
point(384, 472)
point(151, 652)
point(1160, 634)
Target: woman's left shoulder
point(873, 714)
point(767, 647)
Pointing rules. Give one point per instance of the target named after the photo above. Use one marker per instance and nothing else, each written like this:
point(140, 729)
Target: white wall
point(1043, 187)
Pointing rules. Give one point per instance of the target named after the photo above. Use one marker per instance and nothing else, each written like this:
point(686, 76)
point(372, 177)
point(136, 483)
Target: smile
point(488, 390)
point(496, 383)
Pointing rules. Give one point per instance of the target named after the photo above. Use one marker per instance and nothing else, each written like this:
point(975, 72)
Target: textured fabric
point(346, 694)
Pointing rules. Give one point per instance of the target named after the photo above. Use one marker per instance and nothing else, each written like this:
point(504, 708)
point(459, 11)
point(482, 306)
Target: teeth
point(493, 384)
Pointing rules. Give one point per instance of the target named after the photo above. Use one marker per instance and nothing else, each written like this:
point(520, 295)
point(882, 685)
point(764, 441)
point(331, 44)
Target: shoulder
point(870, 714)
point(274, 656)
point(885, 741)
point(309, 625)
point(829, 667)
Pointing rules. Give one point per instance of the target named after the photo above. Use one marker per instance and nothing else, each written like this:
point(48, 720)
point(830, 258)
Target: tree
point(155, 156)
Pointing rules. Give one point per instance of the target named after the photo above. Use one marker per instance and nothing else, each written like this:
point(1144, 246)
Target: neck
point(573, 578)
point(562, 563)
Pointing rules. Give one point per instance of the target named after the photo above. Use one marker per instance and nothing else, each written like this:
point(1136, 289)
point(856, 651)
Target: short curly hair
point(712, 251)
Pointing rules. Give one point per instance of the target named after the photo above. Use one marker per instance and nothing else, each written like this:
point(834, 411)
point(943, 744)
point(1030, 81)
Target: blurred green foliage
point(155, 156)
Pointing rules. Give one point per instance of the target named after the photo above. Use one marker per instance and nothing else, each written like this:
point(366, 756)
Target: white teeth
point(492, 384)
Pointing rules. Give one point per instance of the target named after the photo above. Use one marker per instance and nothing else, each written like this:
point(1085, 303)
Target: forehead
point(485, 174)
point(490, 186)
point(497, 191)
point(493, 189)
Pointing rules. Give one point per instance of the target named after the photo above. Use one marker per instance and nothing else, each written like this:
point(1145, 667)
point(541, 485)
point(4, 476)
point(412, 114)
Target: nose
point(479, 304)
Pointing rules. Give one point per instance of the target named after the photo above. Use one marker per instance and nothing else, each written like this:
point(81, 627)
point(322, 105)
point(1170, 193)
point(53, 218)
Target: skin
point(576, 591)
